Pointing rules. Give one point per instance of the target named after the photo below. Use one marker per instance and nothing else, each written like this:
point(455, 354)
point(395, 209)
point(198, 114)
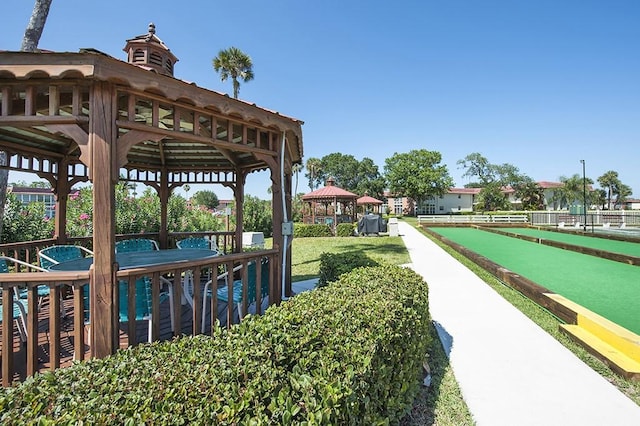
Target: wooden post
point(61, 196)
point(164, 193)
point(238, 192)
point(275, 295)
point(104, 176)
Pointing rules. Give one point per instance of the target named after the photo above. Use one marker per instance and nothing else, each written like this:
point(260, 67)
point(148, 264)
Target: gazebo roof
point(367, 200)
point(329, 191)
point(166, 124)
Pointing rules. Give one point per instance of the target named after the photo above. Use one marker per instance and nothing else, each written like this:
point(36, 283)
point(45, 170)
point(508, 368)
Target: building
point(28, 195)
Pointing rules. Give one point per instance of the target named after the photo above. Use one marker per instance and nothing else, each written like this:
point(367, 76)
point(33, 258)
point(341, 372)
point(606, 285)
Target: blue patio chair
point(57, 254)
point(144, 244)
point(200, 243)
point(223, 292)
point(19, 308)
point(136, 244)
point(54, 255)
point(143, 302)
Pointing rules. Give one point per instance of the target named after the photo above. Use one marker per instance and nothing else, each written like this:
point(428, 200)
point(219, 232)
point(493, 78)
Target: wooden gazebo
point(369, 204)
point(329, 205)
point(87, 116)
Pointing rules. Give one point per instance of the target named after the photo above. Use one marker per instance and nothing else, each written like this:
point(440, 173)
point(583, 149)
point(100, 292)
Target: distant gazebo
point(369, 204)
point(329, 205)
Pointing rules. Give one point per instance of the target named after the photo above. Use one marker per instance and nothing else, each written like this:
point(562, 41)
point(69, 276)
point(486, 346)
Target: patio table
point(140, 259)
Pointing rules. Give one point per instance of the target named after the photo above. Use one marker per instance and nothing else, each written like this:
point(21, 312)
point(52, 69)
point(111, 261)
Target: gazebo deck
point(67, 340)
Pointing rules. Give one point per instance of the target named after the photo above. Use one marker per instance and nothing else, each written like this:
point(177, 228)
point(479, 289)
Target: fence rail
point(618, 218)
point(425, 219)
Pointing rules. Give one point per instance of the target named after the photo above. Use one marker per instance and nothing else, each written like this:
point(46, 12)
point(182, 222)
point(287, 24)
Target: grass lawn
point(305, 252)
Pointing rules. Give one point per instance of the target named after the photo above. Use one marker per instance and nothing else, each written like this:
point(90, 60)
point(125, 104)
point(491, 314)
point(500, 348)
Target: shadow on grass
point(441, 403)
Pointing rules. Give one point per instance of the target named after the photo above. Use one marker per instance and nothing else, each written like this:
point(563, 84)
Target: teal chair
point(223, 292)
point(143, 302)
point(136, 244)
point(57, 254)
point(201, 243)
point(19, 308)
point(143, 285)
point(54, 255)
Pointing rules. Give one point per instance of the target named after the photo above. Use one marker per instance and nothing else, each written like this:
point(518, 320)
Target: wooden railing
point(65, 306)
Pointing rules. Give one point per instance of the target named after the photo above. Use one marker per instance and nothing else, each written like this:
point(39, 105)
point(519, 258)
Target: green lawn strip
point(622, 247)
point(610, 289)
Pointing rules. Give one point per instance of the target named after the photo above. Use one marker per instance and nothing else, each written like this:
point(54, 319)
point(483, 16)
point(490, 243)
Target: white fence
point(476, 218)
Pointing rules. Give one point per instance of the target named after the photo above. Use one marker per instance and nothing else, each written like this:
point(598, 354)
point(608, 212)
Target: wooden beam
point(104, 176)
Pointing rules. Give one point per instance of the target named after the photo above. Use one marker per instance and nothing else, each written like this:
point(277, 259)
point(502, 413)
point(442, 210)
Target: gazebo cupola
point(147, 50)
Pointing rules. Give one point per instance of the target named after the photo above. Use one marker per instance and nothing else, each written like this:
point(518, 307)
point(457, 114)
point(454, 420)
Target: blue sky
point(537, 84)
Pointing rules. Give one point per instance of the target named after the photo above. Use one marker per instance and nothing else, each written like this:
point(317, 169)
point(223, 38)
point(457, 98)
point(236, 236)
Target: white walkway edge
point(510, 371)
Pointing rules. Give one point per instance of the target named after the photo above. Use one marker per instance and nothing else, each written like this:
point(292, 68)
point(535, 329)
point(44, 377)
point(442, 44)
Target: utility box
point(392, 227)
point(252, 239)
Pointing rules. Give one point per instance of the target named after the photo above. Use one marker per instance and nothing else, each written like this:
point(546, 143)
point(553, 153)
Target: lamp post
point(584, 195)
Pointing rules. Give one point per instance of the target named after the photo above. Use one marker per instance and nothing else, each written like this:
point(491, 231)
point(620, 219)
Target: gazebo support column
point(275, 292)
point(163, 193)
point(238, 193)
point(62, 189)
point(104, 176)
point(288, 291)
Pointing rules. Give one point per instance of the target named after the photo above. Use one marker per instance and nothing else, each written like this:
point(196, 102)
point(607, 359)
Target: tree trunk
point(36, 25)
point(29, 44)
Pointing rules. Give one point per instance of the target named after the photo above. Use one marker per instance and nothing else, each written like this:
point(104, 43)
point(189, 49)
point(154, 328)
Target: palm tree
point(314, 166)
point(610, 181)
point(232, 62)
point(296, 168)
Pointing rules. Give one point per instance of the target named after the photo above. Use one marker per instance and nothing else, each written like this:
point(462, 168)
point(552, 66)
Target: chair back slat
point(57, 254)
point(136, 244)
point(194, 243)
point(4, 268)
point(143, 299)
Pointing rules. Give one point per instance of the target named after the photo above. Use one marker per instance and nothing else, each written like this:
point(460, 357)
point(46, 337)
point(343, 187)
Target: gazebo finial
point(152, 29)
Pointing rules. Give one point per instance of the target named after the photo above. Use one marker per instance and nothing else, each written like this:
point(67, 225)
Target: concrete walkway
point(510, 371)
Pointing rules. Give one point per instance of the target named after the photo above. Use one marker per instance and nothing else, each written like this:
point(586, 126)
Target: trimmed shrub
point(301, 230)
point(346, 354)
point(345, 230)
point(332, 265)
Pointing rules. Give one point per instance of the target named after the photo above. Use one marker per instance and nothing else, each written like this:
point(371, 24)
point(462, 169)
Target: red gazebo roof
point(367, 200)
point(329, 191)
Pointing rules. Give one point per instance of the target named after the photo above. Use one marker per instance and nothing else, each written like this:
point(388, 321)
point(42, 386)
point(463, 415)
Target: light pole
point(584, 195)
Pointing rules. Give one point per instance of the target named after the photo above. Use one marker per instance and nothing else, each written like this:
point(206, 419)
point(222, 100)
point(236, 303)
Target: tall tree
point(417, 174)
point(235, 64)
point(350, 174)
point(494, 179)
point(205, 198)
point(313, 166)
point(295, 169)
point(614, 188)
point(30, 42)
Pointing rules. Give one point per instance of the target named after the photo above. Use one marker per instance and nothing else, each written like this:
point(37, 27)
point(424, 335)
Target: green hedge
point(345, 230)
point(348, 353)
point(332, 265)
point(302, 230)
